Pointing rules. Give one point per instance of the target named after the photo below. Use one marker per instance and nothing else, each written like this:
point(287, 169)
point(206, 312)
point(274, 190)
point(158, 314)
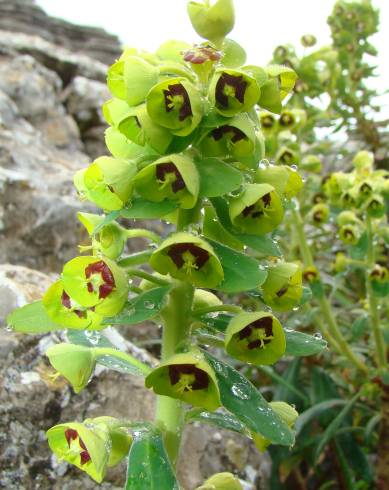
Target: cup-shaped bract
point(187, 377)
point(234, 55)
point(175, 104)
point(255, 337)
point(233, 91)
point(96, 282)
point(65, 311)
point(212, 22)
point(111, 238)
point(172, 50)
point(131, 78)
point(203, 299)
point(174, 177)
point(363, 160)
point(282, 289)
point(87, 448)
point(281, 80)
point(257, 210)
point(287, 156)
point(311, 163)
point(375, 206)
point(287, 120)
point(107, 182)
point(320, 214)
point(285, 180)
point(350, 233)
point(311, 274)
point(379, 278)
point(221, 481)
point(268, 121)
point(76, 363)
point(235, 137)
point(336, 184)
point(187, 257)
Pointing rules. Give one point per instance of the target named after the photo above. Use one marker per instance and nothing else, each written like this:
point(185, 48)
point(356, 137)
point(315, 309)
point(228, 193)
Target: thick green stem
point(373, 304)
point(176, 325)
point(333, 334)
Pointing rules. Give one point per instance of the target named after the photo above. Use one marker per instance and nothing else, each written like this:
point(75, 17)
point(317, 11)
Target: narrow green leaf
point(283, 382)
point(241, 273)
point(223, 420)
point(217, 178)
point(148, 464)
point(300, 344)
point(219, 322)
point(359, 250)
point(144, 307)
point(31, 318)
point(313, 412)
point(88, 338)
point(330, 432)
point(359, 327)
point(142, 209)
point(243, 400)
point(127, 365)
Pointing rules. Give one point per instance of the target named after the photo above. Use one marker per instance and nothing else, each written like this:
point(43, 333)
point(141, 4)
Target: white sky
point(260, 25)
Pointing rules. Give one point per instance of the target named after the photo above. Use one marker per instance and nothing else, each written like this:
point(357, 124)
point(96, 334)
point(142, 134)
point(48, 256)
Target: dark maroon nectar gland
point(167, 173)
point(230, 86)
point(188, 256)
point(67, 303)
point(201, 54)
point(257, 210)
point(258, 333)
point(177, 97)
point(187, 377)
point(101, 278)
point(236, 134)
point(71, 438)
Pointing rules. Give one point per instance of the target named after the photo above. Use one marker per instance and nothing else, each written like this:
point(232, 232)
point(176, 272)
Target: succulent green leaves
point(282, 289)
point(187, 377)
point(286, 181)
point(173, 177)
point(175, 104)
point(187, 257)
point(257, 338)
point(257, 210)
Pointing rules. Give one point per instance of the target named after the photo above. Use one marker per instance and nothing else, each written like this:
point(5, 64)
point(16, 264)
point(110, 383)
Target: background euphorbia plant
point(186, 143)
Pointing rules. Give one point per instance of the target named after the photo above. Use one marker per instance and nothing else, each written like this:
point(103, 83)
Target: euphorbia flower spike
point(174, 177)
point(233, 91)
point(187, 257)
point(282, 289)
point(187, 377)
point(107, 182)
point(257, 210)
point(65, 311)
point(76, 363)
point(96, 282)
point(175, 104)
point(256, 337)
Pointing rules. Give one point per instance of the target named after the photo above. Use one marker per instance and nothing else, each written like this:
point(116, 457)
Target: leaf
point(314, 411)
point(359, 250)
point(243, 400)
point(223, 420)
point(217, 178)
point(31, 318)
point(359, 327)
point(106, 221)
point(213, 229)
point(130, 365)
point(300, 344)
point(330, 431)
point(143, 307)
point(219, 322)
point(148, 464)
point(143, 209)
point(292, 377)
point(241, 273)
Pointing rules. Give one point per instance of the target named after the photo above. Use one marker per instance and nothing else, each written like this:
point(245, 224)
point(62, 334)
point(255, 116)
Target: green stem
point(109, 351)
point(333, 334)
point(176, 325)
point(137, 258)
point(141, 232)
point(373, 303)
point(210, 309)
point(147, 276)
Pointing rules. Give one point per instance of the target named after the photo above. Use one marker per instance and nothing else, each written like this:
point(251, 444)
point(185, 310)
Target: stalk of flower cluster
point(332, 334)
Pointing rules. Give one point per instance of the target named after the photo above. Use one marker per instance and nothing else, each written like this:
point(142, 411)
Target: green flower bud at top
point(268, 121)
point(310, 274)
point(87, 448)
point(311, 163)
point(236, 137)
point(257, 210)
point(287, 156)
point(363, 160)
point(233, 91)
point(172, 50)
point(65, 311)
point(174, 177)
point(175, 104)
point(107, 182)
point(110, 240)
point(257, 338)
point(221, 481)
point(188, 257)
point(347, 217)
point(286, 181)
point(375, 206)
point(308, 40)
point(138, 127)
point(350, 234)
point(212, 22)
point(233, 54)
point(320, 214)
point(131, 78)
point(282, 289)
point(203, 299)
point(96, 282)
point(187, 377)
point(286, 412)
point(76, 363)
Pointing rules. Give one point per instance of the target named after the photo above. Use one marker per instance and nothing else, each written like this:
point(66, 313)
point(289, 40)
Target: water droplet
point(148, 305)
point(8, 328)
point(318, 336)
point(239, 390)
point(294, 168)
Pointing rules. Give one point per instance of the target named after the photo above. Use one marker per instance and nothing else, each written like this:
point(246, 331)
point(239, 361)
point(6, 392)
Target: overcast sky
point(260, 25)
